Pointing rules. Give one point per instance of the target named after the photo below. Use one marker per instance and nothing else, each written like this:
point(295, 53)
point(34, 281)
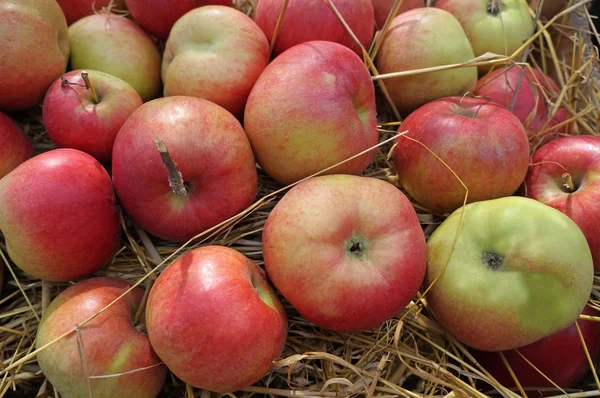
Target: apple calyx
point(568, 184)
point(175, 178)
point(492, 260)
point(355, 247)
point(493, 7)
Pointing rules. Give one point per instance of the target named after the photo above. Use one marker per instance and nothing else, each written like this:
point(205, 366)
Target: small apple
point(76, 9)
point(85, 110)
point(383, 8)
point(515, 272)
point(346, 251)
point(15, 147)
point(112, 344)
point(214, 319)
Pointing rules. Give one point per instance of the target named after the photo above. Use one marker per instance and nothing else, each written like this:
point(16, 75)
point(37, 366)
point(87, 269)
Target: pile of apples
point(170, 112)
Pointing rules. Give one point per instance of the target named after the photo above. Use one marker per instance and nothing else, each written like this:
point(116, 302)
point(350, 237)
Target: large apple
point(116, 45)
point(15, 147)
point(311, 108)
point(111, 343)
point(223, 71)
point(59, 215)
point(315, 20)
point(76, 9)
point(85, 110)
point(211, 173)
point(346, 251)
point(483, 143)
point(517, 271)
point(565, 174)
point(34, 48)
point(383, 8)
point(214, 319)
point(425, 38)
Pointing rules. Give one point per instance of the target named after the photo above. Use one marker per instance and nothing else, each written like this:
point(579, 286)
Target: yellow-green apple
point(516, 271)
point(115, 45)
point(111, 345)
point(157, 17)
point(565, 174)
point(59, 215)
point(34, 48)
point(76, 9)
point(214, 320)
point(15, 147)
point(346, 251)
point(483, 143)
point(315, 20)
point(209, 175)
point(311, 108)
point(425, 38)
point(88, 115)
point(383, 8)
point(216, 53)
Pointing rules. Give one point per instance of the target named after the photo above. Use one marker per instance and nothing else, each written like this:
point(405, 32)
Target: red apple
point(315, 20)
point(383, 8)
point(347, 252)
point(34, 48)
point(76, 9)
point(483, 143)
point(15, 147)
point(214, 176)
point(565, 174)
point(59, 215)
point(111, 343)
point(88, 119)
point(214, 320)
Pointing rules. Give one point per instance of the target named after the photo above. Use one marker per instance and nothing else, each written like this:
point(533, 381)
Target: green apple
point(520, 271)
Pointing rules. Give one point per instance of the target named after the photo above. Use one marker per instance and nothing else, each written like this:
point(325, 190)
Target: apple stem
point(90, 86)
point(568, 182)
point(175, 178)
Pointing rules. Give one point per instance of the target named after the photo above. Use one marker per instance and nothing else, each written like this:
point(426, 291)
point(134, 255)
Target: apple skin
point(115, 45)
point(311, 255)
point(73, 119)
point(579, 156)
point(216, 53)
point(63, 223)
point(34, 33)
point(15, 147)
point(316, 21)
point(211, 151)
point(383, 8)
point(74, 10)
point(424, 38)
point(476, 138)
point(214, 320)
point(112, 344)
point(311, 108)
point(516, 263)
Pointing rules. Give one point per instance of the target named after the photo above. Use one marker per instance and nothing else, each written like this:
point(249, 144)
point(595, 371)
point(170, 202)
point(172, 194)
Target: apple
point(76, 9)
point(112, 344)
point(517, 271)
point(88, 118)
point(483, 143)
point(311, 108)
point(565, 174)
point(222, 71)
point(383, 8)
point(209, 175)
point(214, 320)
point(346, 251)
point(425, 38)
point(15, 147)
point(115, 45)
point(59, 215)
point(34, 48)
point(158, 16)
point(316, 21)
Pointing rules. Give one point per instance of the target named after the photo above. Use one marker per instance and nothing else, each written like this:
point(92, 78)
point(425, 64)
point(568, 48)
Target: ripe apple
point(34, 48)
point(76, 9)
point(15, 147)
point(59, 215)
point(115, 45)
point(483, 143)
point(424, 38)
point(346, 251)
point(311, 108)
point(214, 176)
point(214, 319)
point(383, 8)
point(518, 271)
point(111, 342)
point(315, 20)
point(222, 71)
point(565, 174)
point(88, 119)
